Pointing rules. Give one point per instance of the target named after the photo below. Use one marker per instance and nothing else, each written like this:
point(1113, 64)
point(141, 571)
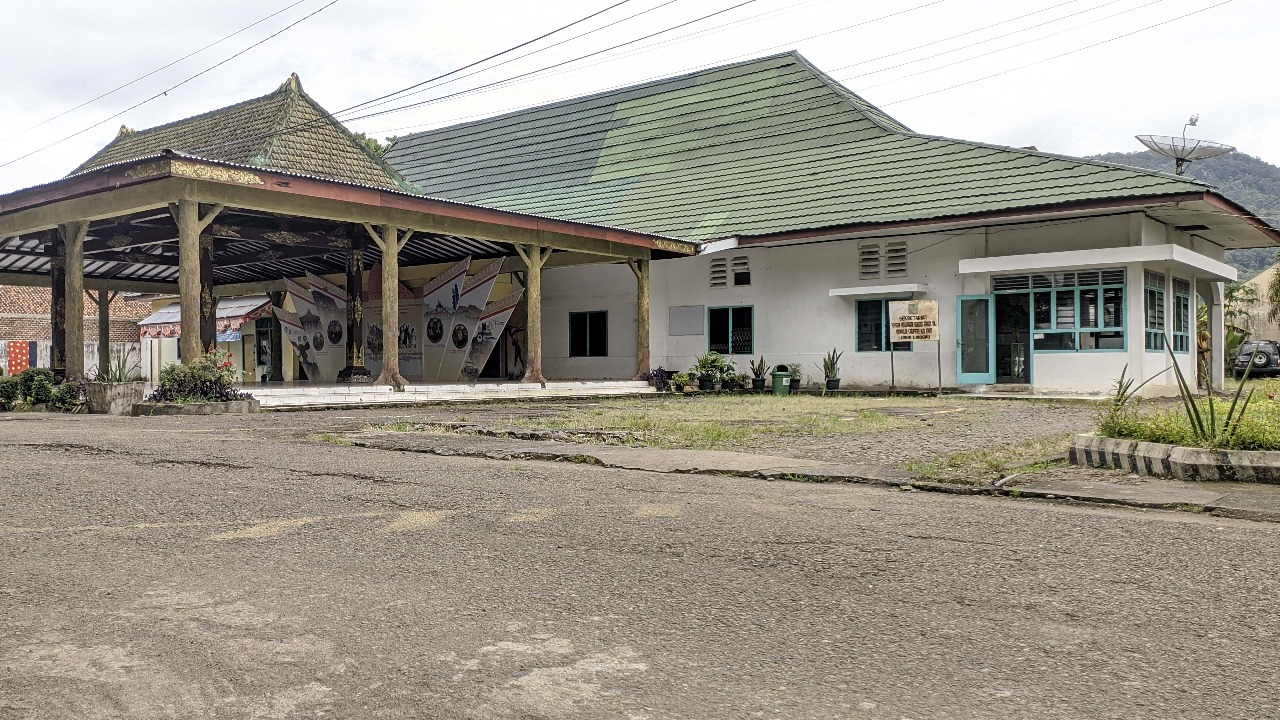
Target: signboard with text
point(911, 320)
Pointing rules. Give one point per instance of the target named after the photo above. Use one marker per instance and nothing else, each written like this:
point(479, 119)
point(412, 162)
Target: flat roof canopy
point(273, 225)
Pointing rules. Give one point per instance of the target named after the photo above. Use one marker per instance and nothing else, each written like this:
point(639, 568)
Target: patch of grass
point(723, 422)
point(1187, 507)
point(333, 439)
point(398, 426)
point(986, 465)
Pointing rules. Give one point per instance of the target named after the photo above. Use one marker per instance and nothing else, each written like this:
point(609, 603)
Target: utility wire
point(997, 50)
point(162, 93)
point(1060, 55)
point(496, 83)
point(153, 72)
point(403, 91)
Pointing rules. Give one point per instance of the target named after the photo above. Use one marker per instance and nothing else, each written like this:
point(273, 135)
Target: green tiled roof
point(759, 147)
point(285, 130)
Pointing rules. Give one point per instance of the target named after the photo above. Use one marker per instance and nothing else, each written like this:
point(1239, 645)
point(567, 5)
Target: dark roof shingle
point(285, 130)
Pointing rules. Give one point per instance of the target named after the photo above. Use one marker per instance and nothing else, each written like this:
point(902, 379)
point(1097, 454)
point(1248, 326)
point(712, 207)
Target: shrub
point(209, 378)
point(28, 378)
point(68, 396)
point(41, 389)
point(9, 392)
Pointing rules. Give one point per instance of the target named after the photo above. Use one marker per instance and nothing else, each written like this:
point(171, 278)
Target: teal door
point(975, 339)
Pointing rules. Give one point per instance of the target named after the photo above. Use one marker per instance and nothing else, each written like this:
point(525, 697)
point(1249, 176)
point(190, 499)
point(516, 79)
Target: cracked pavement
point(235, 567)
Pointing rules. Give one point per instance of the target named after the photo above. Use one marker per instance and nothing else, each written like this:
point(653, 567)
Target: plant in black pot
point(759, 368)
point(710, 369)
point(831, 369)
point(797, 379)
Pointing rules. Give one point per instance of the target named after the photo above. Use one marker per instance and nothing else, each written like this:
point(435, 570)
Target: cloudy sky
point(1069, 76)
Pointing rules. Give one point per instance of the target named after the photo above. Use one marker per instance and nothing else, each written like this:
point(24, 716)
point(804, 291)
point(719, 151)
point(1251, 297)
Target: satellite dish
point(1183, 150)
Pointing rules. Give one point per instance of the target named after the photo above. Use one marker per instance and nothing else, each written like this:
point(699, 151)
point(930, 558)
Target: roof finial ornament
point(293, 84)
point(125, 130)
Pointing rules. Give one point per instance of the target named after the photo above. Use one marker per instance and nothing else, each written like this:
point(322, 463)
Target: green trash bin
point(782, 380)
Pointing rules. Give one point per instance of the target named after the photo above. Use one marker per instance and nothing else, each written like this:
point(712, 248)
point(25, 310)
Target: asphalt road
point(175, 568)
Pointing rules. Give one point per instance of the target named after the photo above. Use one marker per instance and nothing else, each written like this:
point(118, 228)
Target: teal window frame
point(882, 343)
point(1181, 319)
point(1153, 309)
point(1076, 323)
point(733, 310)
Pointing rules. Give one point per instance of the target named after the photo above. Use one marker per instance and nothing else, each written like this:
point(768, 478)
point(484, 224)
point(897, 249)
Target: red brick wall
point(18, 304)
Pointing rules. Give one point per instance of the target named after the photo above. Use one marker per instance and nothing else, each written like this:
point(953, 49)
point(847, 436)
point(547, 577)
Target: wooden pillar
point(390, 242)
point(355, 371)
point(208, 303)
point(104, 300)
point(641, 270)
point(534, 257)
point(190, 226)
point(57, 304)
point(276, 339)
point(73, 245)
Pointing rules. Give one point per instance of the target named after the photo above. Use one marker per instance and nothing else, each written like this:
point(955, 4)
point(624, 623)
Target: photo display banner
point(488, 332)
point(440, 299)
point(292, 328)
point(911, 320)
point(466, 319)
point(330, 301)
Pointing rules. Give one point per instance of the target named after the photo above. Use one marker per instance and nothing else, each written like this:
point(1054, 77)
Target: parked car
point(1264, 355)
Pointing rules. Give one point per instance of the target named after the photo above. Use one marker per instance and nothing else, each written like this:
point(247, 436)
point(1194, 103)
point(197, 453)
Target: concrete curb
point(776, 469)
point(1181, 463)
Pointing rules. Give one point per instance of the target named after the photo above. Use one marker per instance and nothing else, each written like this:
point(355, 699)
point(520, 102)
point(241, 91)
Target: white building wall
point(797, 321)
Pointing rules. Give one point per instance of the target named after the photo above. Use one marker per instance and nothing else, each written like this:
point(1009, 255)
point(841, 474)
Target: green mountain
point(1245, 179)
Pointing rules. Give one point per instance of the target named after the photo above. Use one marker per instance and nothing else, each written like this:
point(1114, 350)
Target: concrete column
point(1218, 337)
point(57, 304)
point(534, 256)
point(208, 303)
point(641, 270)
point(355, 370)
point(276, 339)
point(73, 243)
point(190, 225)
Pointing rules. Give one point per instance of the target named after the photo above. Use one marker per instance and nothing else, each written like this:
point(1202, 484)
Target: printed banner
point(488, 332)
point(440, 300)
point(463, 325)
point(330, 302)
point(295, 332)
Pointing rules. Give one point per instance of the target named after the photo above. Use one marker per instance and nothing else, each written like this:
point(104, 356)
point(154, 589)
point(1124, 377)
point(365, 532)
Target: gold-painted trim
point(199, 171)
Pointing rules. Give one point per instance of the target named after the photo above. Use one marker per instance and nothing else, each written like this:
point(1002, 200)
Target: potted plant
point(759, 368)
point(710, 369)
point(115, 388)
point(680, 381)
point(831, 369)
point(797, 378)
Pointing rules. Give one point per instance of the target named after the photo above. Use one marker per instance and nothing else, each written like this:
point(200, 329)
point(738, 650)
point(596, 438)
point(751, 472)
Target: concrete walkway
point(1238, 500)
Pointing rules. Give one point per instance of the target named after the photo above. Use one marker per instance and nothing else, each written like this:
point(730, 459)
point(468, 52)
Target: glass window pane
point(1043, 310)
point(1089, 308)
point(1055, 341)
point(578, 334)
point(741, 340)
point(1102, 340)
point(975, 336)
point(1065, 308)
point(870, 325)
point(598, 334)
point(718, 330)
point(1113, 307)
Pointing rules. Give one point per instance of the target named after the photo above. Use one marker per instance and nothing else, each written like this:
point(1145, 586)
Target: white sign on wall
point(911, 320)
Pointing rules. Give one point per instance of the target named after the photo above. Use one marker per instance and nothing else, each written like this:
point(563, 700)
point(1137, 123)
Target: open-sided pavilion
point(237, 200)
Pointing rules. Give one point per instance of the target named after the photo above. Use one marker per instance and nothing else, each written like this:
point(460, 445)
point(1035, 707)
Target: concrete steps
point(302, 396)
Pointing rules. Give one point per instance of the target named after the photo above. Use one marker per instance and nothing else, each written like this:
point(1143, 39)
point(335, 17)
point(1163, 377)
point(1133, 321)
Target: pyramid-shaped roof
point(285, 130)
point(755, 148)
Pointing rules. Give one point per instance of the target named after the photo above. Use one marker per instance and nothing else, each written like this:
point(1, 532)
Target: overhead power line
point(140, 78)
point(166, 91)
